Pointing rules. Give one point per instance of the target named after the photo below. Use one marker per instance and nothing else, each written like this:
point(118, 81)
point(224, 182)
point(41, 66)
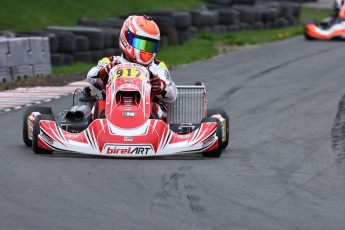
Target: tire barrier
point(23, 57)
point(90, 39)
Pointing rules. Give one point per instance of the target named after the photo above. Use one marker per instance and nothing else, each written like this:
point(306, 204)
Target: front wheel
point(305, 32)
point(225, 125)
point(307, 36)
point(36, 132)
point(216, 152)
point(27, 113)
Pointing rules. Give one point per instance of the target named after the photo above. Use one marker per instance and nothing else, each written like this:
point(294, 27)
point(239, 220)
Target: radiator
point(189, 107)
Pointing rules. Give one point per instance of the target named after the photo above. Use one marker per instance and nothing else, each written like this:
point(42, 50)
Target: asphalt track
point(279, 171)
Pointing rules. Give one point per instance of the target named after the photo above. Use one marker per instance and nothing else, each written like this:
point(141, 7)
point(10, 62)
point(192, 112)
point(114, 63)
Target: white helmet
point(139, 39)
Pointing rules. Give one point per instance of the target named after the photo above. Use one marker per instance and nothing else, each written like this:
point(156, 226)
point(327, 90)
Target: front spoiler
point(154, 138)
point(336, 31)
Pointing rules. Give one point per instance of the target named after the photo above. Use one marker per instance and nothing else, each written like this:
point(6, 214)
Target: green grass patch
point(200, 47)
point(74, 68)
point(312, 13)
point(37, 14)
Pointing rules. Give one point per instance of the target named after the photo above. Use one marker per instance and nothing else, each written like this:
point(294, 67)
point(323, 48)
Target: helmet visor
point(145, 44)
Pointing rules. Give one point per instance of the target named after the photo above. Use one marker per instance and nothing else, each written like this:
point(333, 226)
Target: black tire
point(56, 59)
point(164, 41)
point(111, 52)
point(211, 17)
point(96, 56)
point(247, 2)
point(246, 14)
point(281, 23)
point(66, 40)
point(164, 23)
point(217, 152)
point(198, 18)
point(225, 115)
point(183, 36)
point(222, 2)
point(27, 113)
point(83, 57)
point(258, 25)
point(95, 35)
point(36, 132)
point(306, 35)
point(67, 59)
point(227, 16)
point(183, 19)
point(173, 36)
point(82, 43)
point(111, 37)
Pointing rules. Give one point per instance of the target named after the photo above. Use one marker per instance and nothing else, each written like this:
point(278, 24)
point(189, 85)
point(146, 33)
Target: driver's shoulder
point(159, 63)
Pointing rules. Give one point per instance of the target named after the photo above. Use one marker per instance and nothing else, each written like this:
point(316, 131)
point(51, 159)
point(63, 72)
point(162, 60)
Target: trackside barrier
point(39, 55)
point(5, 72)
point(18, 58)
point(24, 57)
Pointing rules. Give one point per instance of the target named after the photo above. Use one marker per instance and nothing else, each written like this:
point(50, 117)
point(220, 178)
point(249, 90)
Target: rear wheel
point(216, 152)
point(224, 114)
point(27, 113)
point(36, 132)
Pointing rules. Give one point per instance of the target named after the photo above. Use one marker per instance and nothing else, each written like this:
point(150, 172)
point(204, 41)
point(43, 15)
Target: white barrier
point(24, 57)
point(39, 55)
point(5, 72)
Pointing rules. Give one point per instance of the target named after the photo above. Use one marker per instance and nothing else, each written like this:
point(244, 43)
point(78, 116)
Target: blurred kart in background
point(325, 30)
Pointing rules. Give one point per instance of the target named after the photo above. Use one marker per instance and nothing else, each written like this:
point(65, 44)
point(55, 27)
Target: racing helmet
point(139, 39)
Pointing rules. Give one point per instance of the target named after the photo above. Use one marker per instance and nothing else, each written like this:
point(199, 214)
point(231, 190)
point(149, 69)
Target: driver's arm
point(169, 93)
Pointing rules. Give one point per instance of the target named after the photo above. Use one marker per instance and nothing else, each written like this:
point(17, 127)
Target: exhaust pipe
point(78, 112)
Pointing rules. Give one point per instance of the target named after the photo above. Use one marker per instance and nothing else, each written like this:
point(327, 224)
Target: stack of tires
point(83, 44)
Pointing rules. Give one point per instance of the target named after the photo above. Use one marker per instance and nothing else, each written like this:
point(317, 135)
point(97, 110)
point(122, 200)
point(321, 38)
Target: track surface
point(279, 171)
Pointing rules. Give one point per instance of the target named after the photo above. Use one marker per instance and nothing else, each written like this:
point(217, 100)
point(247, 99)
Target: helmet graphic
point(139, 39)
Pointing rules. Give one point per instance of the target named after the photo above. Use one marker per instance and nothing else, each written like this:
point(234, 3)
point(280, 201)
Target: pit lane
point(278, 172)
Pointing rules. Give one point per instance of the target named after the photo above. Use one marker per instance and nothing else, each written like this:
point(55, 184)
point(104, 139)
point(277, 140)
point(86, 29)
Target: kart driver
point(139, 41)
point(338, 10)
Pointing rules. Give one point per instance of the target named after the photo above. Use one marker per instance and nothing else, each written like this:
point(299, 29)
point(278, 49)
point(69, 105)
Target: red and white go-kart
point(125, 129)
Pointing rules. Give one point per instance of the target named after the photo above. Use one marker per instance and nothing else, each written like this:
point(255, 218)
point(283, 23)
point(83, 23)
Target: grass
point(37, 14)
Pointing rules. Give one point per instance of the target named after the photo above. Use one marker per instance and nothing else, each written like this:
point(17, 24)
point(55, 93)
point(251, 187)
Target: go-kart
point(325, 30)
point(125, 128)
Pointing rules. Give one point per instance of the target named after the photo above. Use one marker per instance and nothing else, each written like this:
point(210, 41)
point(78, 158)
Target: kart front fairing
point(153, 138)
point(334, 31)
